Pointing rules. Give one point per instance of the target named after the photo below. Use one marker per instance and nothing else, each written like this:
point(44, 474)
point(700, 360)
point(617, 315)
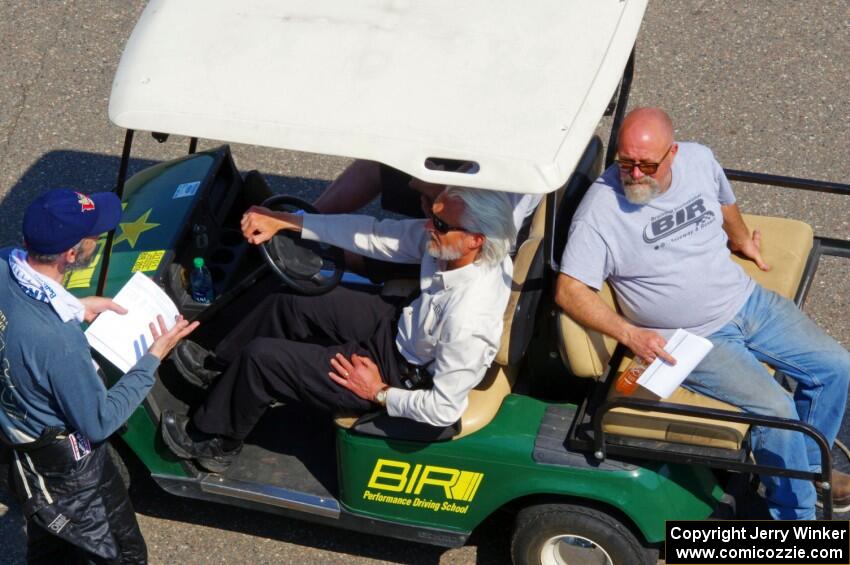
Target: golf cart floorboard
point(550, 445)
point(292, 448)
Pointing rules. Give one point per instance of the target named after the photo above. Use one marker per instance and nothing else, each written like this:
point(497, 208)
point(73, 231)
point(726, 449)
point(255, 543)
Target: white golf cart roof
point(516, 87)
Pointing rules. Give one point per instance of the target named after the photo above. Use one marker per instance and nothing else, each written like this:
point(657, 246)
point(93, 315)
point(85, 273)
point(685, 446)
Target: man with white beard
point(355, 351)
point(658, 225)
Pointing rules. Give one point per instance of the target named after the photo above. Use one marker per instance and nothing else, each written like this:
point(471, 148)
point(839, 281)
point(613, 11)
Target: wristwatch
point(381, 397)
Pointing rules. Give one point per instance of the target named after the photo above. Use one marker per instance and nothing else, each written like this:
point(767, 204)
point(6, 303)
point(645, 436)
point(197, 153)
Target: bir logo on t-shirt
point(691, 213)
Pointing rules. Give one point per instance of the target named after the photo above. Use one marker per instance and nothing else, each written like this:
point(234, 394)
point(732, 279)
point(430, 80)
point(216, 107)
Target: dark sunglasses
point(442, 227)
point(627, 165)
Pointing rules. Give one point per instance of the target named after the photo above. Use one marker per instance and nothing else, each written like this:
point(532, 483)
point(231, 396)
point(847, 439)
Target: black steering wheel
point(307, 267)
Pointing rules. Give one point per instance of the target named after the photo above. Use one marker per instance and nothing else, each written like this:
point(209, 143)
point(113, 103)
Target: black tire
point(120, 465)
point(537, 526)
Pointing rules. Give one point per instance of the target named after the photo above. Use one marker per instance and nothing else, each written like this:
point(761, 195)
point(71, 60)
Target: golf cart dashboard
point(212, 232)
point(189, 207)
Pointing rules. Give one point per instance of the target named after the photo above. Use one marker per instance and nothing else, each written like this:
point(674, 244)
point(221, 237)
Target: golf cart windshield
point(517, 88)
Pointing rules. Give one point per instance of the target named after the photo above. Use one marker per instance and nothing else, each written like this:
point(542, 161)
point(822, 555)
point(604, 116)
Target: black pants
point(282, 350)
point(88, 507)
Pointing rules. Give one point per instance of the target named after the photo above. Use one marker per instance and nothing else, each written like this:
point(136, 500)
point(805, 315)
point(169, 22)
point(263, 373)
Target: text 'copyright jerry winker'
point(758, 541)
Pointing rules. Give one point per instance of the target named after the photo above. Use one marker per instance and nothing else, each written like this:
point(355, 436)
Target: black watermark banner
point(761, 542)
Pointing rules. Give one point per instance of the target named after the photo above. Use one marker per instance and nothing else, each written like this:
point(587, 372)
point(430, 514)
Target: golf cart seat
point(785, 247)
point(486, 398)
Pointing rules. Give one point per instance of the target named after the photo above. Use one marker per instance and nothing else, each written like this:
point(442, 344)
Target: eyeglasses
point(442, 227)
point(628, 165)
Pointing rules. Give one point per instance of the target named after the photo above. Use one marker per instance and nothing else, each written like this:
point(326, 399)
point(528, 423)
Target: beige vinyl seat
point(486, 398)
point(786, 245)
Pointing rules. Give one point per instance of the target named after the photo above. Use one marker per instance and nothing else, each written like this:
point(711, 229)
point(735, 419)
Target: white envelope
point(688, 350)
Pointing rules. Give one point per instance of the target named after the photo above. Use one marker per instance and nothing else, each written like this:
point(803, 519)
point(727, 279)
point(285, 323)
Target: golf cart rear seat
point(486, 398)
point(785, 246)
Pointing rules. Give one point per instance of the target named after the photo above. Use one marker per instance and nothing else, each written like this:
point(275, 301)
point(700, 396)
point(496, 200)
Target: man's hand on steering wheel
point(260, 224)
point(306, 267)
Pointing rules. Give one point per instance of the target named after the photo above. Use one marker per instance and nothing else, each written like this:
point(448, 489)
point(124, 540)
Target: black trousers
point(281, 351)
point(88, 517)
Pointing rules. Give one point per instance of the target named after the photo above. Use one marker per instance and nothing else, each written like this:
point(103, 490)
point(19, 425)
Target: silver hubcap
point(573, 550)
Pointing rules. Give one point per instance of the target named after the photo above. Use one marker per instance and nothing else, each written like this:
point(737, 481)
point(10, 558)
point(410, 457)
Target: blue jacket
point(47, 377)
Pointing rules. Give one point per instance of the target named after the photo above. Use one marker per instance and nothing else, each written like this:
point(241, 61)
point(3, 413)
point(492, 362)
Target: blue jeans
point(771, 329)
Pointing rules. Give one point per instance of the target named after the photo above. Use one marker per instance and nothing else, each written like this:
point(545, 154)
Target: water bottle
point(200, 282)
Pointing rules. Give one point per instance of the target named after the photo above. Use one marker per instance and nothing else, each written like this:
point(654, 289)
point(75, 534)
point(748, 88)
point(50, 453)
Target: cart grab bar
point(787, 182)
point(825, 475)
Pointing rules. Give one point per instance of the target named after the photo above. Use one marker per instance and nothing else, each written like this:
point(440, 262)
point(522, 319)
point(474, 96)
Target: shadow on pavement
point(12, 528)
point(93, 172)
point(87, 172)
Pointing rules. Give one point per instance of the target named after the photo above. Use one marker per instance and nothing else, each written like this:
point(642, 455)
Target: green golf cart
point(505, 96)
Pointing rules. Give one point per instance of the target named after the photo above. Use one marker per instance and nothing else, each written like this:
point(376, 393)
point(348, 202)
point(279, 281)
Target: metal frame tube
point(787, 182)
point(728, 416)
point(119, 192)
point(622, 104)
point(125, 163)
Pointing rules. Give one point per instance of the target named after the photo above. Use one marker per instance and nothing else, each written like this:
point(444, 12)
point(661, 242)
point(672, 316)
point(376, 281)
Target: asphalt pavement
point(764, 84)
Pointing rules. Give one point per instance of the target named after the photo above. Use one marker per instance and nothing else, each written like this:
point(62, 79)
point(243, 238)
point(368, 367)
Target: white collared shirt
point(454, 326)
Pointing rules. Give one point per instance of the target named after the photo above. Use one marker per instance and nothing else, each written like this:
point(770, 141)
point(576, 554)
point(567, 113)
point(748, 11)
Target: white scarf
point(45, 289)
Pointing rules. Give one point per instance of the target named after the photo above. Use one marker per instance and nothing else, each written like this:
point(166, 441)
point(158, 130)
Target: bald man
point(658, 225)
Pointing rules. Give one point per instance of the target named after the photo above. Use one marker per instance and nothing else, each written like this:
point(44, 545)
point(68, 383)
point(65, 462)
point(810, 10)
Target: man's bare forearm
point(740, 239)
point(734, 226)
point(358, 185)
point(261, 224)
point(585, 306)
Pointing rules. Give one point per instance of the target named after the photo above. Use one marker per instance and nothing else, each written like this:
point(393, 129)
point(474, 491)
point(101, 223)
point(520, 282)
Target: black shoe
point(208, 452)
point(195, 364)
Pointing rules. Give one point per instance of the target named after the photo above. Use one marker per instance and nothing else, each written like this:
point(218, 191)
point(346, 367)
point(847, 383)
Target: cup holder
point(231, 238)
point(176, 285)
point(217, 273)
point(222, 256)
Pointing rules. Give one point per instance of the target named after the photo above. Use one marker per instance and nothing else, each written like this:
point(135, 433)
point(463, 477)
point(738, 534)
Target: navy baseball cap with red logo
point(58, 219)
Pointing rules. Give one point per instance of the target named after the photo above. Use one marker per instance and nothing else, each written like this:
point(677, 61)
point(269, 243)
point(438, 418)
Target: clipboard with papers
point(123, 339)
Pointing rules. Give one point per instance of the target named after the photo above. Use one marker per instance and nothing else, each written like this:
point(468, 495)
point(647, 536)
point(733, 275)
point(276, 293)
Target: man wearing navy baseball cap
point(59, 219)
point(55, 412)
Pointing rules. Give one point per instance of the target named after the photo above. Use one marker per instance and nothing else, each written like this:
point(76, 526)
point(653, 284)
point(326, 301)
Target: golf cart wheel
point(567, 534)
point(120, 465)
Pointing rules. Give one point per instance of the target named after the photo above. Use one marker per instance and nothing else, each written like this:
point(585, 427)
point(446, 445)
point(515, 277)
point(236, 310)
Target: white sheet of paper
point(124, 339)
point(688, 350)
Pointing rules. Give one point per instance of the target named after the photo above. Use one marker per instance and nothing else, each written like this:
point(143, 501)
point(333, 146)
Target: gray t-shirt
point(667, 260)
